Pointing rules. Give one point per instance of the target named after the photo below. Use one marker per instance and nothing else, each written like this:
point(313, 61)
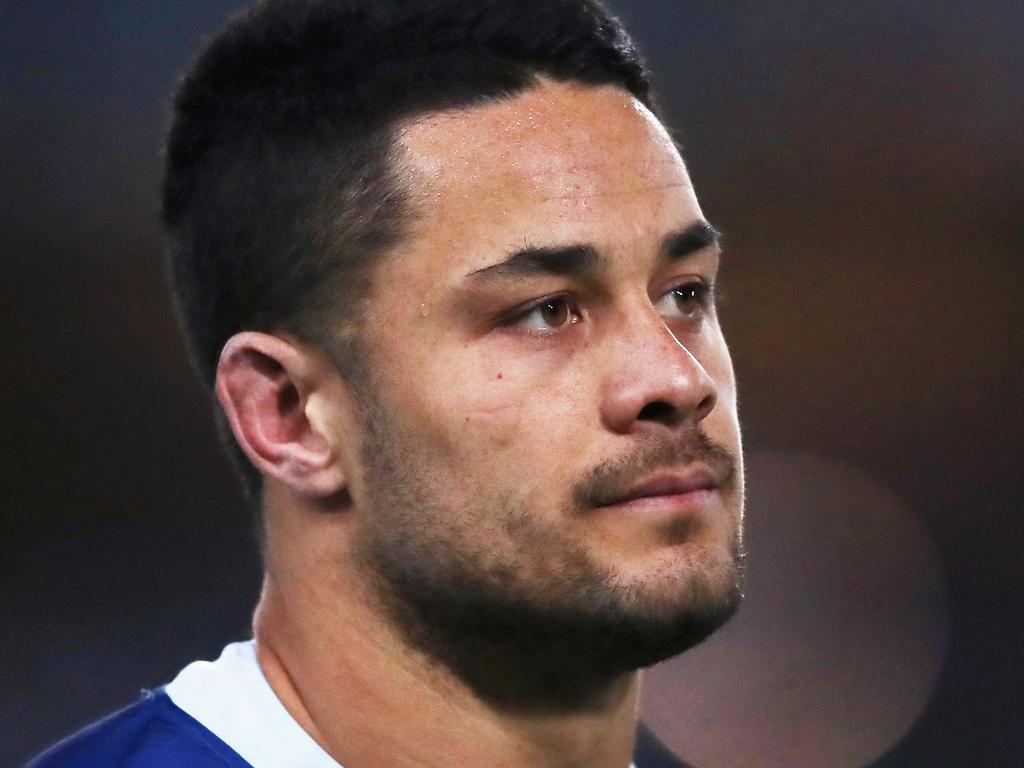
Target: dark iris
point(555, 313)
point(689, 298)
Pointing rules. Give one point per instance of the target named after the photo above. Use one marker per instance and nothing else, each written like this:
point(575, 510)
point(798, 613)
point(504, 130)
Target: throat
point(348, 683)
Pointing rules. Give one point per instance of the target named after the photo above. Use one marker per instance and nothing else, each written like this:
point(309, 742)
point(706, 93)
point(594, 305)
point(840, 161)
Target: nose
point(656, 381)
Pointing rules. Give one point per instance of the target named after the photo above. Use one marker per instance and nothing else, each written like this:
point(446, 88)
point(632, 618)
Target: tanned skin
point(504, 384)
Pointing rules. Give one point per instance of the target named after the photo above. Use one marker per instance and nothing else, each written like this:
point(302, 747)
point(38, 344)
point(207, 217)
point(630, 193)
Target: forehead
point(554, 163)
point(550, 134)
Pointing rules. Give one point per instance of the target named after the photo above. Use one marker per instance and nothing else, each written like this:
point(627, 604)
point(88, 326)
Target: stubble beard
point(518, 611)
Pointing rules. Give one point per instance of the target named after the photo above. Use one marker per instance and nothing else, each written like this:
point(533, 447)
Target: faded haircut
point(280, 193)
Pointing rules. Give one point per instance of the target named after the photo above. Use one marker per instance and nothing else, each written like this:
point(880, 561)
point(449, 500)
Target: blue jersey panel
point(152, 733)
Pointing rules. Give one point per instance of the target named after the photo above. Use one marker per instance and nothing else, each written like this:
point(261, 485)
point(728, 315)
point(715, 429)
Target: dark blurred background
point(865, 160)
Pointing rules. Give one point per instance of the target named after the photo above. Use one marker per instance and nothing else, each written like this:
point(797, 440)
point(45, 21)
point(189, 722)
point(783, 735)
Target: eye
point(549, 315)
point(689, 300)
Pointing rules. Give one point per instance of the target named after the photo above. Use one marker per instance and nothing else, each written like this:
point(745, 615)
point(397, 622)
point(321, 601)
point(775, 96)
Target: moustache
point(612, 480)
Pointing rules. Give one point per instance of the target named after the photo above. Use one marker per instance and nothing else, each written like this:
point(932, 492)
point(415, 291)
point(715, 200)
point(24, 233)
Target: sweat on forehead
point(554, 135)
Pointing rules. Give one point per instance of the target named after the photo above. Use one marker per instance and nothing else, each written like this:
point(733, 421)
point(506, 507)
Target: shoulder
point(151, 733)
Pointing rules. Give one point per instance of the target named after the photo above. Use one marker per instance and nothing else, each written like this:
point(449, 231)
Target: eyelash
point(703, 293)
point(564, 300)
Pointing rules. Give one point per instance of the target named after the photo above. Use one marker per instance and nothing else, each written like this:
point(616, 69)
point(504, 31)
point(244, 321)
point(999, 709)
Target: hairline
point(351, 357)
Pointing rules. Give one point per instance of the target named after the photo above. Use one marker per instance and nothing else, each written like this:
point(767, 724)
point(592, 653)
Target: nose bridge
point(654, 377)
point(641, 333)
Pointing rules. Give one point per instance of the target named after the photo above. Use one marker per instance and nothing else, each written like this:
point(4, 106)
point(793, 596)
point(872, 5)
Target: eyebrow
point(696, 237)
point(570, 260)
point(582, 259)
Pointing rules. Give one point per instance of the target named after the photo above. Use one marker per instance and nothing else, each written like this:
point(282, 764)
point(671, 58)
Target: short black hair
point(280, 193)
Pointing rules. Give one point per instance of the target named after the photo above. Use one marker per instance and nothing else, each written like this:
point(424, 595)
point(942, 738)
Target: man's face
point(551, 426)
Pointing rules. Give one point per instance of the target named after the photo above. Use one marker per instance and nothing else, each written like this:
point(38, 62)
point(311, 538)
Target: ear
point(265, 384)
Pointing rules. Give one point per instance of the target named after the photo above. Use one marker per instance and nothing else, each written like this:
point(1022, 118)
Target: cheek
point(713, 354)
point(722, 424)
point(505, 410)
point(511, 424)
point(463, 408)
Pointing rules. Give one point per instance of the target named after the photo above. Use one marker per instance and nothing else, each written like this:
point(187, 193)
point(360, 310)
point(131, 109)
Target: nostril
point(706, 406)
point(660, 411)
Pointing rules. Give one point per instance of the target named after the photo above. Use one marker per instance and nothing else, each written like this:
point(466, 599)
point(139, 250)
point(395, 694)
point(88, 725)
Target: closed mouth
point(685, 482)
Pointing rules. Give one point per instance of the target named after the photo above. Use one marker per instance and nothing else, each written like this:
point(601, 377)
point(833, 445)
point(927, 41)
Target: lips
point(691, 483)
point(691, 468)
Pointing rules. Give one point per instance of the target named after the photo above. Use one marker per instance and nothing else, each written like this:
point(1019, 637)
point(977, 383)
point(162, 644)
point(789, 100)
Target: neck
point(372, 701)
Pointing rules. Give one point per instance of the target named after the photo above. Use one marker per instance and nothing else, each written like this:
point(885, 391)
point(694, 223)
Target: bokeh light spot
point(840, 639)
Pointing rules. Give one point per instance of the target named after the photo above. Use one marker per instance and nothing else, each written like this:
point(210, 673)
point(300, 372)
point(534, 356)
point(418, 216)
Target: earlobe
point(263, 383)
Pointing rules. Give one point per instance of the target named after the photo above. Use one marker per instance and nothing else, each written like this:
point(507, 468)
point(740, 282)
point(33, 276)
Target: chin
point(663, 628)
point(657, 608)
point(675, 577)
